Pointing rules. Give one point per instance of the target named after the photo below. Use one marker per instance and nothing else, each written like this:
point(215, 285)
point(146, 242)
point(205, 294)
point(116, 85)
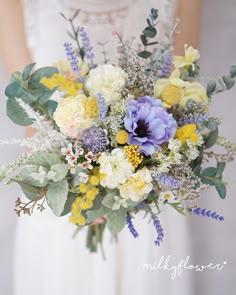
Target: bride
point(47, 260)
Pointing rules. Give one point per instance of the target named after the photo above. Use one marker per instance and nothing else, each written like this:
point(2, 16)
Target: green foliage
point(27, 175)
point(149, 32)
point(221, 189)
point(60, 171)
point(213, 176)
point(70, 200)
point(27, 87)
point(27, 70)
point(94, 214)
point(232, 71)
point(17, 114)
point(46, 159)
point(108, 200)
point(29, 191)
point(116, 220)
point(211, 87)
point(211, 138)
point(228, 81)
point(57, 195)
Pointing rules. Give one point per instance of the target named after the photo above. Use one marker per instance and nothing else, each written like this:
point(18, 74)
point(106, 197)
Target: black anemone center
point(142, 129)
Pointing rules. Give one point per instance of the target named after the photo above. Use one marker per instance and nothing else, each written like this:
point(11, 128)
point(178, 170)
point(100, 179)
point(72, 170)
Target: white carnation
point(115, 168)
point(107, 80)
point(138, 186)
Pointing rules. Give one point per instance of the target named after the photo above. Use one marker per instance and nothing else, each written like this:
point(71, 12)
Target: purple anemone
point(148, 123)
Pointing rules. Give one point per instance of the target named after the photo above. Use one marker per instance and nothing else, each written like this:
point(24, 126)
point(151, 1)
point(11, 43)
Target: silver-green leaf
point(57, 195)
point(116, 220)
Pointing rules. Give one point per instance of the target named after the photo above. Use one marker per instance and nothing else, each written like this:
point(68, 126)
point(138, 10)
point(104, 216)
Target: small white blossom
point(167, 196)
point(83, 177)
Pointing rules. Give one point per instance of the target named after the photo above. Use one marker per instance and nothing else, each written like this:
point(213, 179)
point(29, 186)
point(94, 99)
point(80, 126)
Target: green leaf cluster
point(213, 176)
point(148, 33)
point(27, 87)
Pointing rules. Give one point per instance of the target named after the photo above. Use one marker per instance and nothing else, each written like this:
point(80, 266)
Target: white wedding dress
point(47, 260)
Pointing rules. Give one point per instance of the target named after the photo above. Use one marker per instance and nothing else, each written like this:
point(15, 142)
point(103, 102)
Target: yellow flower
point(87, 204)
point(91, 194)
point(176, 91)
point(133, 155)
point(196, 92)
point(63, 83)
point(191, 55)
point(91, 107)
point(170, 90)
point(83, 188)
point(122, 136)
point(95, 171)
point(187, 132)
point(94, 180)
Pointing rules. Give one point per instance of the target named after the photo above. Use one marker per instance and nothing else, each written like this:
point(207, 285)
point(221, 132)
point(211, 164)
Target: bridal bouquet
point(113, 140)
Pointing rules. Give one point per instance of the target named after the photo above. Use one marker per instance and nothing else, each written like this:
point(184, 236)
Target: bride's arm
point(189, 13)
point(13, 48)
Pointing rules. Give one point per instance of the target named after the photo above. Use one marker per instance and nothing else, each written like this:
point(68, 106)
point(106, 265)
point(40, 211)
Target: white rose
point(107, 80)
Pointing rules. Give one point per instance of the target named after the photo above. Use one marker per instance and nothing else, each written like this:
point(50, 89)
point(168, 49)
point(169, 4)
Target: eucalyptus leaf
point(60, 171)
point(34, 176)
point(13, 90)
point(229, 82)
point(57, 195)
point(70, 200)
point(34, 79)
point(116, 220)
point(211, 87)
point(144, 54)
point(220, 169)
point(29, 191)
point(108, 200)
point(221, 189)
point(27, 70)
point(46, 159)
point(51, 106)
point(209, 172)
point(94, 214)
point(17, 114)
point(144, 39)
point(232, 71)
point(211, 138)
point(150, 32)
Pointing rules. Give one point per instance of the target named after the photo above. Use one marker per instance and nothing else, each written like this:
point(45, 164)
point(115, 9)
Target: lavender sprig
point(197, 119)
point(89, 54)
point(168, 181)
point(72, 58)
point(102, 107)
point(207, 213)
point(166, 67)
point(159, 230)
point(131, 226)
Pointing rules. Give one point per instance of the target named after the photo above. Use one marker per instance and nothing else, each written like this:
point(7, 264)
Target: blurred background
point(212, 241)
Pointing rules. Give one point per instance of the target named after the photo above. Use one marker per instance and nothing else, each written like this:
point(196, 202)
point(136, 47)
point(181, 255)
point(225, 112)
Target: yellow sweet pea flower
point(191, 55)
point(170, 90)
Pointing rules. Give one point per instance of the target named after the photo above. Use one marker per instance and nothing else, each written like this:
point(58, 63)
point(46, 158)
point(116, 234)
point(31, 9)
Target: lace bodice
point(46, 29)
